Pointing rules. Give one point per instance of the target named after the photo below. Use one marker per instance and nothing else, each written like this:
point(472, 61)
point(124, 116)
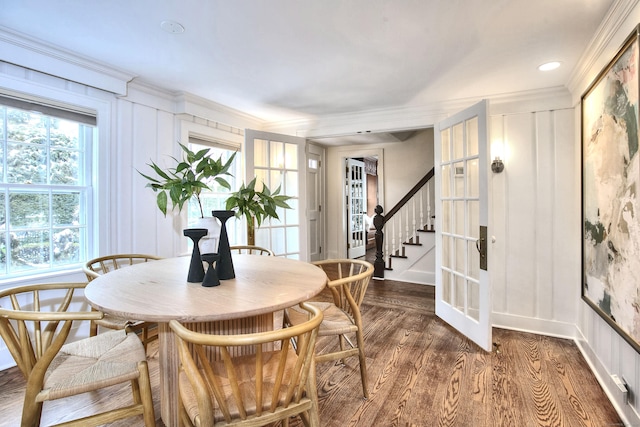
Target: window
point(45, 192)
point(216, 199)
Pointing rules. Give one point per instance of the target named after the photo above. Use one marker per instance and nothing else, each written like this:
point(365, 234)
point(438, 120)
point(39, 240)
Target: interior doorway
point(361, 198)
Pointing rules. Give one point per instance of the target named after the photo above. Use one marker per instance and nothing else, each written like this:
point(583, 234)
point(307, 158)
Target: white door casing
point(315, 194)
point(463, 294)
point(356, 208)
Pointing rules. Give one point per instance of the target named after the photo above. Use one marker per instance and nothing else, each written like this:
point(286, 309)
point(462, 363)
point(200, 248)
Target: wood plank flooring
point(421, 373)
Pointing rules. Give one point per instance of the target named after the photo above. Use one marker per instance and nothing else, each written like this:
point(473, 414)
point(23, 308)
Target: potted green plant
point(256, 205)
point(192, 174)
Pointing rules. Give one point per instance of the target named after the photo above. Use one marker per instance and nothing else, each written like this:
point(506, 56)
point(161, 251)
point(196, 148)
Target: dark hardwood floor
point(421, 373)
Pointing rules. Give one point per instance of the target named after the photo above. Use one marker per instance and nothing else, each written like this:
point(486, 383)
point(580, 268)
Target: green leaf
point(148, 177)
point(223, 183)
point(161, 201)
point(159, 171)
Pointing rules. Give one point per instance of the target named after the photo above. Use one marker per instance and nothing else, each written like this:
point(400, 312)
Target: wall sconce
point(497, 151)
point(496, 165)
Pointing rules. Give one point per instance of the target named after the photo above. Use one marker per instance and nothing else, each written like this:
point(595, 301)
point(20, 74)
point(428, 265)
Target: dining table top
point(158, 291)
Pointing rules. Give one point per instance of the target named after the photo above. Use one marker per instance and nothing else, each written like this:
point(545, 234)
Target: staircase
point(407, 249)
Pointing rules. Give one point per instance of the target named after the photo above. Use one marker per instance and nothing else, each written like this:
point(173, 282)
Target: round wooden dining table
point(158, 291)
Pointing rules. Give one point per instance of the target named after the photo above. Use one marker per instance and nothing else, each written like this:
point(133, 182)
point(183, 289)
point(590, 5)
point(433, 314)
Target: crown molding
point(610, 30)
point(37, 55)
point(209, 110)
point(417, 117)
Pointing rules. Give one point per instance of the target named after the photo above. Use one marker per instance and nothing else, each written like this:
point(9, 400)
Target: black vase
point(196, 269)
point(224, 266)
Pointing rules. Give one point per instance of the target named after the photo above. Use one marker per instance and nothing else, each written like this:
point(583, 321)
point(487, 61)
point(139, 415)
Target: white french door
point(279, 160)
point(463, 294)
point(356, 208)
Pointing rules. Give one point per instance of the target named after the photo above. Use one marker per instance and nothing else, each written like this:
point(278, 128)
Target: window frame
point(100, 104)
point(86, 140)
point(215, 137)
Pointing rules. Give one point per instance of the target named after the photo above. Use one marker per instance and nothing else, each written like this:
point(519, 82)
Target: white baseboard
point(413, 276)
point(537, 326)
point(629, 416)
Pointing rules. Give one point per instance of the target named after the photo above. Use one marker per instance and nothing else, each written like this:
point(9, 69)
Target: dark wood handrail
point(409, 195)
point(379, 220)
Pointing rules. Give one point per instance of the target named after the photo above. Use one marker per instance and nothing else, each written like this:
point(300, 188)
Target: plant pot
point(209, 243)
point(251, 231)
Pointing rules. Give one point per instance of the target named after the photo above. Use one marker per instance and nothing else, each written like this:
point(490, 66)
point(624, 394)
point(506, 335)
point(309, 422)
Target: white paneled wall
point(145, 134)
point(536, 258)
point(537, 205)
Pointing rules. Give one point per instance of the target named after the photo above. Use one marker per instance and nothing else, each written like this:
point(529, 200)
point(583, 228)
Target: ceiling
point(282, 60)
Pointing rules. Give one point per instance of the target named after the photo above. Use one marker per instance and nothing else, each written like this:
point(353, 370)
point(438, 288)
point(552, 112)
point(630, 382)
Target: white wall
point(535, 205)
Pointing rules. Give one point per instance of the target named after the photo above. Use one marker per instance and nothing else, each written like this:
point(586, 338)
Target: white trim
point(344, 154)
point(595, 52)
point(534, 325)
point(626, 412)
point(35, 54)
point(103, 104)
point(416, 117)
point(184, 129)
point(186, 103)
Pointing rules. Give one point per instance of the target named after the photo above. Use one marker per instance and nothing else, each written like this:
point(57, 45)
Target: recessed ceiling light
point(549, 66)
point(172, 27)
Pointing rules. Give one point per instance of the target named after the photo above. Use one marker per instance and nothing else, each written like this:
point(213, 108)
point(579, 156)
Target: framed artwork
point(610, 192)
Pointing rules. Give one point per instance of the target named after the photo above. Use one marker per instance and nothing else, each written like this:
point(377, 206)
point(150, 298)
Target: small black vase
point(224, 266)
point(210, 277)
point(196, 269)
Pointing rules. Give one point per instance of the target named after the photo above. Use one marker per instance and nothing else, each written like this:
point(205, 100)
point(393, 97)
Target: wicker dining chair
point(35, 321)
point(98, 266)
point(251, 249)
point(348, 282)
point(271, 382)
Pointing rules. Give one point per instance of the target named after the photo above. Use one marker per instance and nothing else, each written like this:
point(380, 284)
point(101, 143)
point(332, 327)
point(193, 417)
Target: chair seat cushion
point(92, 363)
point(245, 368)
point(335, 320)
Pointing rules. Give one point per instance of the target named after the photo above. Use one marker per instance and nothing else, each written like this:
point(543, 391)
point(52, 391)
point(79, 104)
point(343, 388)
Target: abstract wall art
point(610, 186)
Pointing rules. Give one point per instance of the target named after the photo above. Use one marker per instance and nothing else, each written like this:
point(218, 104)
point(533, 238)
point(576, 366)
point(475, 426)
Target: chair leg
point(363, 364)
point(144, 387)
point(93, 329)
point(312, 390)
point(341, 340)
point(31, 413)
point(183, 419)
point(145, 337)
point(135, 390)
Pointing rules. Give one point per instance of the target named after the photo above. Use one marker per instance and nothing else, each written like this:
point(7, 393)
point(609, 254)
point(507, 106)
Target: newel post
point(378, 223)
